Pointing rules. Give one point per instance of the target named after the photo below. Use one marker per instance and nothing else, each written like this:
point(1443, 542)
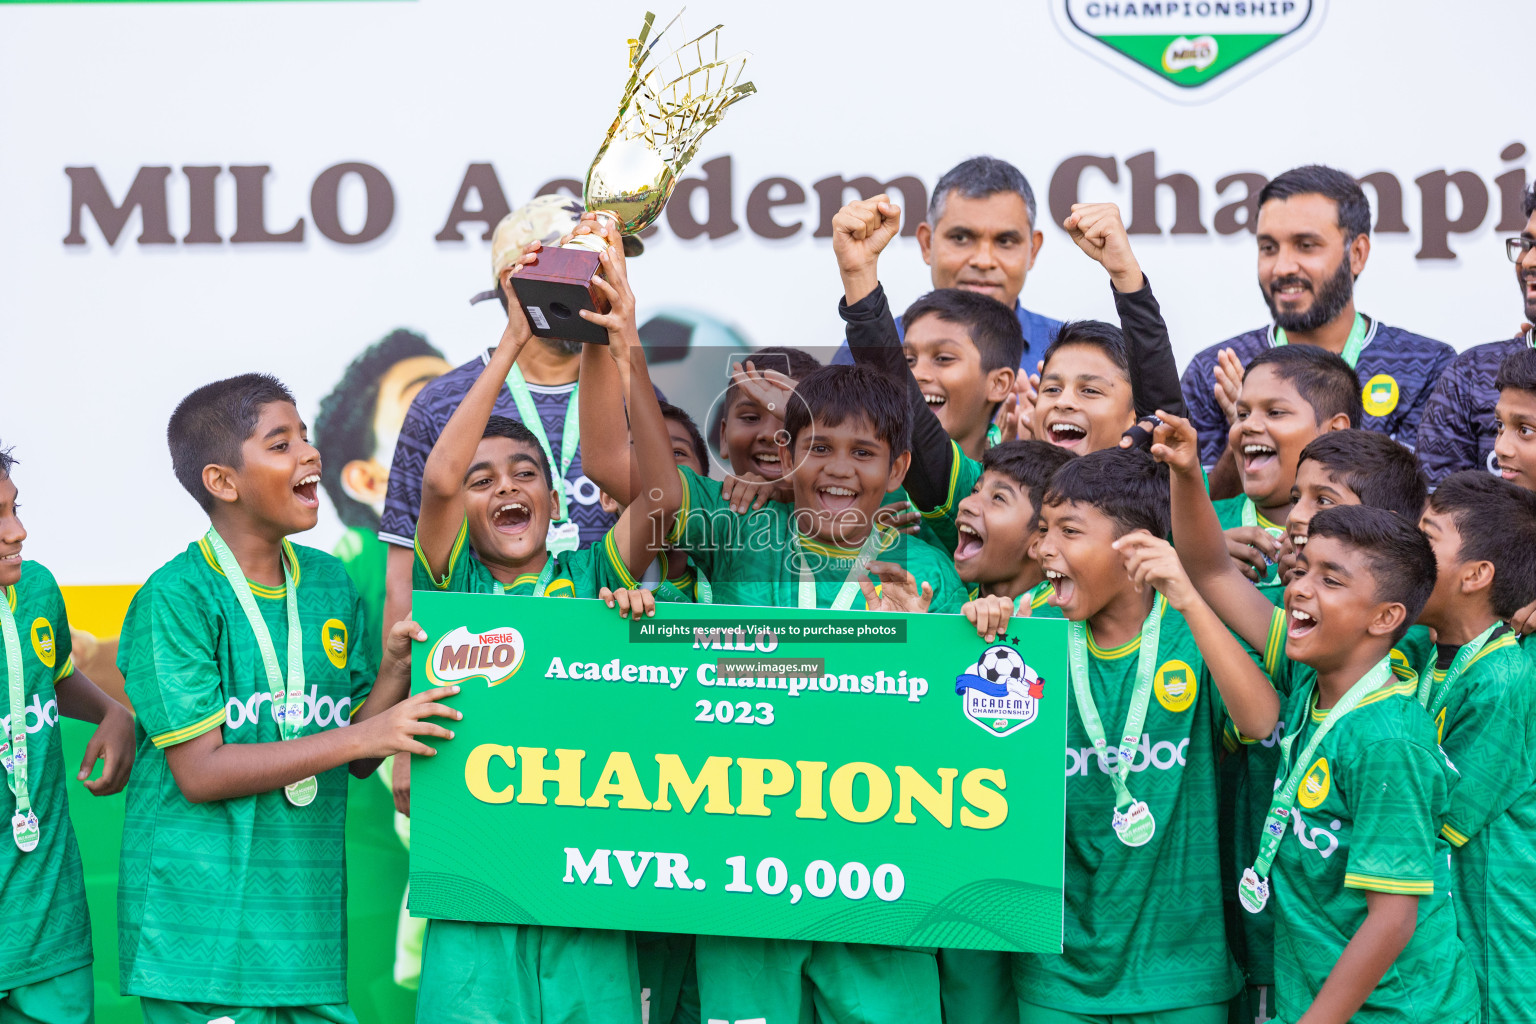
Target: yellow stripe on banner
point(1376, 883)
point(1456, 838)
point(196, 729)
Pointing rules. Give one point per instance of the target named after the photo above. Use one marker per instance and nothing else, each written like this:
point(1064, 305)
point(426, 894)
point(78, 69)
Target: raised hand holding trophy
point(668, 105)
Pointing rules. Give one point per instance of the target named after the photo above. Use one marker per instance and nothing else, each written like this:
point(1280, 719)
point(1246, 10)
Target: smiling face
point(995, 537)
point(1306, 266)
point(507, 502)
point(12, 534)
point(1076, 557)
point(1085, 401)
point(278, 482)
point(1315, 489)
point(947, 366)
point(1274, 423)
point(984, 245)
point(842, 476)
point(1515, 445)
point(1331, 605)
point(749, 437)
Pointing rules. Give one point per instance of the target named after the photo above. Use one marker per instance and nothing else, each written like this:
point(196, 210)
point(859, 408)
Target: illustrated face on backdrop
point(1306, 267)
point(367, 480)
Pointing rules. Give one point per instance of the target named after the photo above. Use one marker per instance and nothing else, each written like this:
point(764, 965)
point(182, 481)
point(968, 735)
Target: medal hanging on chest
point(25, 829)
point(1253, 888)
point(287, 695)
point(1131, 819)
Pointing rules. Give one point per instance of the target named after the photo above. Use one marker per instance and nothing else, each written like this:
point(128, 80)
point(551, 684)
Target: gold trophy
point(668, 105)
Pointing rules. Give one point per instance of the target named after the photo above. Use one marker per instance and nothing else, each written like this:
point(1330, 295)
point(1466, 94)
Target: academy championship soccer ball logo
point(494, 655)
point(1180, 47)
point(1000, 692)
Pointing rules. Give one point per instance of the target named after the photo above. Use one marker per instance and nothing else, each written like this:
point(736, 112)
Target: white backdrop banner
point(194, 190)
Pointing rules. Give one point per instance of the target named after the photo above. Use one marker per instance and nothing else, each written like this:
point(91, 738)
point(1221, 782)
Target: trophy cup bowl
point(667, 107)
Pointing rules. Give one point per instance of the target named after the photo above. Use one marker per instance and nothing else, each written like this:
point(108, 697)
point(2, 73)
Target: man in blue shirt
point(1314, 228)
point(1458, 431)
point(980, 235)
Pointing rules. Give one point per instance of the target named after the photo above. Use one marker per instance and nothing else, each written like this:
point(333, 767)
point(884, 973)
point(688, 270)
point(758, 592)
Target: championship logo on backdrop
point(460, 657)
point(1000, 692)
point(1179, 47)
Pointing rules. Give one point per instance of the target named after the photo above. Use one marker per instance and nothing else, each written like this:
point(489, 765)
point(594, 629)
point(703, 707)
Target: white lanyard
point(24, 825)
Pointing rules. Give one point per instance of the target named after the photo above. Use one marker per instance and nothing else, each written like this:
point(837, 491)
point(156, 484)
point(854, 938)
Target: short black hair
point(1383, 473)
point(1330, 183)
point(1030, 464)
point(801, 365)
point(344, 424)
point(978, 178)
point(1529, 205)
point(1398, 553)
point(209, 426)
point(514, 430)
point(7, 460)
point(1518, 370)
point(993, 328)
point(833, 394)
point(1497, 523)
point(678, 414)
point(1125, 484)
point(1105, 337)
point(1322, 378)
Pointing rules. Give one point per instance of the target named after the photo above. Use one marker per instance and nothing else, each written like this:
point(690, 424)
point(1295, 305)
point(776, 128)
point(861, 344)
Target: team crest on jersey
point(333, 640)
point(1180, 47)
point(1000, 692)
point(493, 655)
point(1380, 394)
point(44, 643)
point(1315, 784)
point(1176, 685)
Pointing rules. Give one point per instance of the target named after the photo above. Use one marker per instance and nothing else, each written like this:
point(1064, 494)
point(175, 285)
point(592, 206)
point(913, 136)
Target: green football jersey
point(47, 927)
point(577, 573)
point(366, 559)
point(1250, 769)
point(1367, 819)
point(750, 560)
point(1143, 925)
point(964, 472)
point(1230, 512)
point(239, 901)
point(1488, 730)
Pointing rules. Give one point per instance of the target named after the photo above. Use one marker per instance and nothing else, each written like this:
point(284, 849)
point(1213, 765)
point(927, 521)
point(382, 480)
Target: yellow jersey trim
point(611, 551)
point(65, 670)
point(1455, 837)
point(949, 492)
point(189, 732)
point(675, 534)
point(1497, 644)
point(1042, 598)
point(1274, 646)
point(441, 583)
point(555, 585)
point(272, 593)
point(1376, 883)
point(10, 596)
point(887, 538)
point(1130, 646)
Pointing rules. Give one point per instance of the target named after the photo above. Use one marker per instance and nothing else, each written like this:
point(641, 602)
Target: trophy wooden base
point(553, 291)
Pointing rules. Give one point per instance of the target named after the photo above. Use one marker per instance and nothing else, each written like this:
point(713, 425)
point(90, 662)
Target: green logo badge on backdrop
point(740, 771)
point(1180, 46)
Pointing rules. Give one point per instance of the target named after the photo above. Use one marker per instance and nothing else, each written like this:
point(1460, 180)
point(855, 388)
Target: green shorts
point(976, 987)
point(1215, 1013)
point(527, 974)
point(783, 981)
point(163, 1011)
point(68, 998)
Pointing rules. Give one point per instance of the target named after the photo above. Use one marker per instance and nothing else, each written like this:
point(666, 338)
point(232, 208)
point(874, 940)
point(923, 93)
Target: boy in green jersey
point(1144, 939)
point(1361, 878)
point(46, 975)
point(232, 891)
point(1341, 467)
point(1514, 447)
point(487, 500)
point(1480, 689)
point(1290, 394)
